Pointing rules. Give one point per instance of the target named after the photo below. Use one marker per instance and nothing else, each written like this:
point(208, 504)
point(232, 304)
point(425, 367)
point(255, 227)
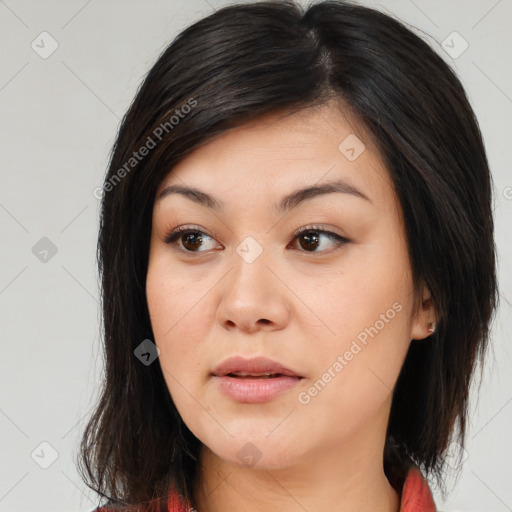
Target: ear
point(424, 321)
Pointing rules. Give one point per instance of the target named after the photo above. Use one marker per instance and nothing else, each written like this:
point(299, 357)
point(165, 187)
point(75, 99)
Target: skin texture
point(298, 303)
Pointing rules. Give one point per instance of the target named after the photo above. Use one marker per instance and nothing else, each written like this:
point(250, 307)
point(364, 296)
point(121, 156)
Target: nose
point(252, 296)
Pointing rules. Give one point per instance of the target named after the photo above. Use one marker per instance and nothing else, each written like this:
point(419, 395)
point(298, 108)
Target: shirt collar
point(416, 496)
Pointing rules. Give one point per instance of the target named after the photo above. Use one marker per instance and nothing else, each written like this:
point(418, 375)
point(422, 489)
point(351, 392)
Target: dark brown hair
point(238, 63)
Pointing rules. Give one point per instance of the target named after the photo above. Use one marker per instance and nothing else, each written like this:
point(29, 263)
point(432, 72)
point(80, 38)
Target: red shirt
point(416, 496)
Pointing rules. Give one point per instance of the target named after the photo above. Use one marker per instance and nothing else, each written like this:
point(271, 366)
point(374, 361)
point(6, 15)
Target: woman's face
point(241, 282)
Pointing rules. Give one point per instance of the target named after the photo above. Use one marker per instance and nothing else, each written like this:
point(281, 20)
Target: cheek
point(176, 314)
point(174, 296)
point(366, 314)
point(357, 370)
point(367, 295)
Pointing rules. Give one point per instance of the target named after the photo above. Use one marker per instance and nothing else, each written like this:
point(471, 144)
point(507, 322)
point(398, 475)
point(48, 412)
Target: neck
point(349, 478)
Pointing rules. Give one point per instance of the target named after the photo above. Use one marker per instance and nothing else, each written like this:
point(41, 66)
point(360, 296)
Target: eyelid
point(316, 227)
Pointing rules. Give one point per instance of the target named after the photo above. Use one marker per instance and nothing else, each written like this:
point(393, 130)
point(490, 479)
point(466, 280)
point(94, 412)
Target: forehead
point(281, 152)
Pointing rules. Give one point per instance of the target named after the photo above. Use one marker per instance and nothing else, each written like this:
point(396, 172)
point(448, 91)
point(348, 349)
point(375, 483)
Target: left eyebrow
point(289, 202)
point(339, 186)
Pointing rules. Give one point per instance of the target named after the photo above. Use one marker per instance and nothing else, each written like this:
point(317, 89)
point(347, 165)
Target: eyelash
point(172, 237)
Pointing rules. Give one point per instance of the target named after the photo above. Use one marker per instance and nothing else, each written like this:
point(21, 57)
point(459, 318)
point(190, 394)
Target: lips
point(254, 381)
point(258, 367)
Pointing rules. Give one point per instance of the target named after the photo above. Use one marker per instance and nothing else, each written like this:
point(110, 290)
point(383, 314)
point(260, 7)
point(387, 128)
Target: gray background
point(59, 119)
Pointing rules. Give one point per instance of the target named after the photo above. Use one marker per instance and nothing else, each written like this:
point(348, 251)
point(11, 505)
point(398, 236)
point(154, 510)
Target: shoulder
point(416, 493)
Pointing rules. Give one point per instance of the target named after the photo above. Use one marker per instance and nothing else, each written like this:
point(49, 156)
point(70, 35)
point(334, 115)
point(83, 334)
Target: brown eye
point(190, 239)
point(310, 239)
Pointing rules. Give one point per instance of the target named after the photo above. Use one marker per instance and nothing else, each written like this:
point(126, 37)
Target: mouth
point(254, 381)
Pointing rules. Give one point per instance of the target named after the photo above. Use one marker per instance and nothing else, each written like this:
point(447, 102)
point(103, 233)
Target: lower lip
point(257, 390)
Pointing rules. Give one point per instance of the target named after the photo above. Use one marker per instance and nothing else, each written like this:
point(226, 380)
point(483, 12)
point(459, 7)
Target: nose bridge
point(251, 261)
point(251, 293)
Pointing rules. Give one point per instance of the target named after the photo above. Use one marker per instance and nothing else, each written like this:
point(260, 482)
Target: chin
point(255, 451)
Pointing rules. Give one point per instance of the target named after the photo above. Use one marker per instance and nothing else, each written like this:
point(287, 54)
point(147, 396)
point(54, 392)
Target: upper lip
point(254, 366)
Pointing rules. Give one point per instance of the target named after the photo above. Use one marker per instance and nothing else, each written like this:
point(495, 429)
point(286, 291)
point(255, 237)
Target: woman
point(298, 269)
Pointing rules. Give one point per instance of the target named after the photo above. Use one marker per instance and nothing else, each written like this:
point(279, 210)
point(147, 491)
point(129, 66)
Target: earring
point(433, 328)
